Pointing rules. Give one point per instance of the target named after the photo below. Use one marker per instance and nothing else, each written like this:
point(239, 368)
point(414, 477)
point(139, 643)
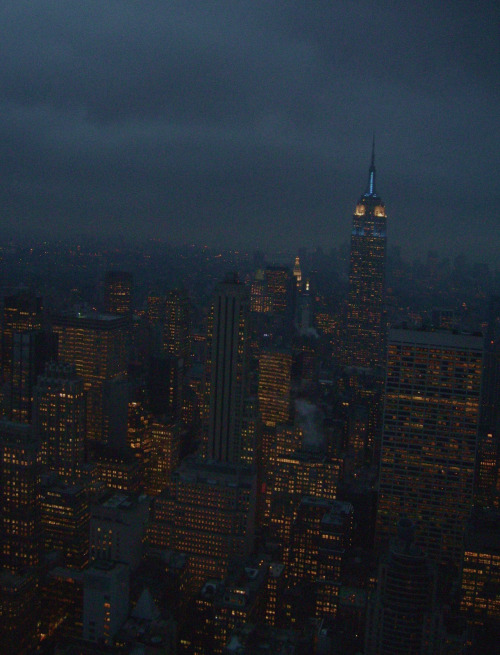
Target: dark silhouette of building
point(402, 613)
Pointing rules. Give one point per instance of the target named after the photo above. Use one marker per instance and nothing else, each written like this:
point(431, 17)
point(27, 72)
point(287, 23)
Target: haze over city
point(249, 124)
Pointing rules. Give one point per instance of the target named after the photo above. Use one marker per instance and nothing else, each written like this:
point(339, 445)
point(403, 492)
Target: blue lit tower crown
point(365, 311)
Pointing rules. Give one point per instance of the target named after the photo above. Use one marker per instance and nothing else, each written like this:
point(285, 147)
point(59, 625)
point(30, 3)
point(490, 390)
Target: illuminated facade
point(275, 372)
point(279, 288)
point(226, 366)
point(480, 600)
point(209, 516)
point(176, 340)
point(96, 345)
point(429, 437)
point(365, 306)
point(303, 473)
point(65, 520)
point(20, 528)
point(164, 455)
point(59, 419)
point(118, 293)
point(260, 301)
point(22, 311)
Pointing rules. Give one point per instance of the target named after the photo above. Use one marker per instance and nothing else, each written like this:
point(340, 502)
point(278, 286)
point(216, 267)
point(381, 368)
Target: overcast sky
point(249, 123)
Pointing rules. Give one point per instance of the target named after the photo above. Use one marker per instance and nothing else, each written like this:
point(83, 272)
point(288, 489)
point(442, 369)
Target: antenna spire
point(371, 179)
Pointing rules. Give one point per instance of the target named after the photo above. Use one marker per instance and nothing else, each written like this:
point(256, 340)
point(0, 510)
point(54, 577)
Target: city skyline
point(250, 125)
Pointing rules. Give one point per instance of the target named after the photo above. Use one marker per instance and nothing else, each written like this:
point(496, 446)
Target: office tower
point(59, 419)
point(209, 515)
point(429, 437)
point(226, 370)
point(480, 600)
point(164, 455)
point(65, 519)
point(96, 345)
point(402, 618)
point(260, 301)
point(303, 473)
point(275, 373)
point(279, 288)
point(365, 305)
point(19, 497)
point(118, 287)
point(118, 527)
point(176, 340)
point(164, 383)
point(19, 611)
point(276, 584)
point(320, 536)
point(488, 478)
point(22, 311)
point(105, 600)
point(31, 350)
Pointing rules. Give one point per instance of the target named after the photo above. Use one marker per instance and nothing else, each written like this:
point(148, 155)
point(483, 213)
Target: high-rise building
point(105, 600)
point(96, 345)
point(480, 601)
point(31, 349)
point(20, 527)
point(402, 617)
point(118, 287)
point(365, 306)
point(279, 288)
point(226, 370)
point(429, 437)
point(176, 328)
point(22, 311)
point(65, 521)
point(275, 373)
point(59, 418)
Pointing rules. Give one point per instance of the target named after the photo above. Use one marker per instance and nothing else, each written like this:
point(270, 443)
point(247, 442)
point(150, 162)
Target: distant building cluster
point(282, 465)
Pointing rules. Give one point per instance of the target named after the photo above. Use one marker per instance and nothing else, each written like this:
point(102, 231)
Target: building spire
point(371, 179)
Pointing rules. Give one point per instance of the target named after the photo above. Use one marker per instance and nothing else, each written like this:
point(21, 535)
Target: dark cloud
point(249, 122)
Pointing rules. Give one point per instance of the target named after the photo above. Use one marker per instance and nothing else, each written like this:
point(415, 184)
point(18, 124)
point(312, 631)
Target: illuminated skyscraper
point(226, 370)
point(59, 419)
point(21, 312)
point(275, 372)
point(20, 529)
point(279, 288)
point(96, 345)
point(118, 293)
point(429, 437)
point(176, 326)
point(365, 308)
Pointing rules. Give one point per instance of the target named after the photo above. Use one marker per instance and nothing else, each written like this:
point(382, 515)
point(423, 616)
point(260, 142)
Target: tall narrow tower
point(226, 370)
point(365, 309)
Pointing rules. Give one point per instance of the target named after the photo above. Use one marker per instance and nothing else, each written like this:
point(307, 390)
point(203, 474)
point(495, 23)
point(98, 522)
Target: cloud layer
point(249, 123)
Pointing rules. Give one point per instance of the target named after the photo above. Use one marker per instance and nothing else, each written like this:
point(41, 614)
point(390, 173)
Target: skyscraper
point(226, 370)
point(96, 345)
point(275, 373)
point(429, 437)
point(20, 528)
point(118, 293)
point(365, 307)
point(59, 418)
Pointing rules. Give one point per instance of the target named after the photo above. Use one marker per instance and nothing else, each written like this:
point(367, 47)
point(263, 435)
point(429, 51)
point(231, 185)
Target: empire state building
point(365, 310)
